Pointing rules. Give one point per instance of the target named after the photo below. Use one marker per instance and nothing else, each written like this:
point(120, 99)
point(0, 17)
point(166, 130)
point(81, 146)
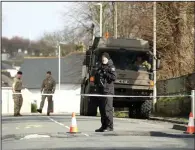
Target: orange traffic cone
point(73, 127)
point(190, 128)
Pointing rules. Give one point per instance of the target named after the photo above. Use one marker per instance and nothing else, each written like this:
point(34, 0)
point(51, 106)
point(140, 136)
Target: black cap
point(49, 72)
point(19, 72)
point(106, 55)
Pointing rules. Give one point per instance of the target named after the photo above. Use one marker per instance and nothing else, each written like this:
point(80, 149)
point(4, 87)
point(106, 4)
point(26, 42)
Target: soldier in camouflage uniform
point(48, 87)
point(142, 64)
point(17, 95)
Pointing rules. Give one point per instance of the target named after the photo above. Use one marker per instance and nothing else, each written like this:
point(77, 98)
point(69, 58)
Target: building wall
point(8, 103)
point(65, 100)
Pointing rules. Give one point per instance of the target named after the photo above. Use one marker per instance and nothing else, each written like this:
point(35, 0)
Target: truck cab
point(132, 80)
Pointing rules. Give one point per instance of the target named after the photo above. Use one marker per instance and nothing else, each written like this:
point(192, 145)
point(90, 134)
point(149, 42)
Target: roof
point(34, 70)
point(6, 81)
point(5, 66)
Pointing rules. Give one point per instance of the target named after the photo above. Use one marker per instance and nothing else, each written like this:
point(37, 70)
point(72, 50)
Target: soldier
point(48, 87)
point(17, 95)
point(140, 63)
point(105, 78)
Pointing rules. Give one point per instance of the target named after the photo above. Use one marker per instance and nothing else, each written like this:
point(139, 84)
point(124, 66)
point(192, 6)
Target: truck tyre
point(88, 106)
point(146, 109)
point(134, 110)
point(92, 108)
point(81, 107)
point(82, 103)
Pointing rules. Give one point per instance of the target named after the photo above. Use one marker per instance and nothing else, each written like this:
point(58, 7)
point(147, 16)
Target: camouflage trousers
point(18, 101)
point(50, 102)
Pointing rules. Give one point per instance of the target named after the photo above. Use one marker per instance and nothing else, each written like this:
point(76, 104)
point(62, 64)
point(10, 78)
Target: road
point(42, 132)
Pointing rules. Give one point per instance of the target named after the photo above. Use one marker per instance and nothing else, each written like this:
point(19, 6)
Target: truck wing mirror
point(87, 57)
point(158, 61)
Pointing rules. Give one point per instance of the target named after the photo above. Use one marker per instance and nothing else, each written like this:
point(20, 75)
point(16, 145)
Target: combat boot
point(39, 110)
point(16, 115)
point(101, 129)
point(108, 130)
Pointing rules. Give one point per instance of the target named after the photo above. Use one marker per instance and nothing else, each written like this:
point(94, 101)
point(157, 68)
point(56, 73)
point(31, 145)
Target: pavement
point(41, 132)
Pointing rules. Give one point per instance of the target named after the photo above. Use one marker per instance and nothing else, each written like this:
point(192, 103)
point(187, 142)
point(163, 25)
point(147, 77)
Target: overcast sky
point(32, 19)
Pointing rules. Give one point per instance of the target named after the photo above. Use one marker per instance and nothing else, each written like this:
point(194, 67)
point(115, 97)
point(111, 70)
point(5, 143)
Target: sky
point(32, 19)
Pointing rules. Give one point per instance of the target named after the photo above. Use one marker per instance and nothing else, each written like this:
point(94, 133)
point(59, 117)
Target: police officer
point(105, 78)
point(17, 95)
point(48, 87)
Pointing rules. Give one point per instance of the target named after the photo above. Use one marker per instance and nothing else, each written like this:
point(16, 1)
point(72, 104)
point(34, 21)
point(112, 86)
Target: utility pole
point(154, 53)
point(115, 19)
point(100, 4)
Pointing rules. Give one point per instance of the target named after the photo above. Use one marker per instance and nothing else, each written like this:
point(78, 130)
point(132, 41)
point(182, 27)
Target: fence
point(180, 85)
point(178, 106)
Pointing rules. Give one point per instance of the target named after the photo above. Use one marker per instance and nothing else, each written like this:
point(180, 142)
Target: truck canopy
point(128, 44)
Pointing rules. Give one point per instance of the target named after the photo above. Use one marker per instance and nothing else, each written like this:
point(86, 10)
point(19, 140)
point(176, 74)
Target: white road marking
point(32, 126)
point(61, 124)
point(17, 128)
point(33, 136)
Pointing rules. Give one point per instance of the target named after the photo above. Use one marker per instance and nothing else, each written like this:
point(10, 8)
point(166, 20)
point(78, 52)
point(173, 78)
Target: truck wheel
point(81, 107)
point(134, 111)
point(146, 109)
point(82, 102)
point(89, 107)
point(92, 107)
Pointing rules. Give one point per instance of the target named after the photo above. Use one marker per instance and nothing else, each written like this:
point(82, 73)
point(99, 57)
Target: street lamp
point(59, 61)
point(100, 4)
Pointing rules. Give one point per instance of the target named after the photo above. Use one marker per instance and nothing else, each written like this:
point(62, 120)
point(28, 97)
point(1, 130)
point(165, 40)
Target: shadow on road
point(43, 118)
point(118, 148)
point(162, 134)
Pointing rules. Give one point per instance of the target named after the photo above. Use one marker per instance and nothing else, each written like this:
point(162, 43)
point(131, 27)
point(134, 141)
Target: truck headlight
point(151, 83)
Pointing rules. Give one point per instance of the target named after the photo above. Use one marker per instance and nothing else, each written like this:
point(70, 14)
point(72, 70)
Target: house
point(6, 81)
point(8, 68)
point(65, 100)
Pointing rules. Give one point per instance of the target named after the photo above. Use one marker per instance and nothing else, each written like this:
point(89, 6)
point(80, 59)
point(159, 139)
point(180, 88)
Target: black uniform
point(106, 76)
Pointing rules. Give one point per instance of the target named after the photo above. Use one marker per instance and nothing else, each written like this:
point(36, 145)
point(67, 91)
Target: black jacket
point(105, 77)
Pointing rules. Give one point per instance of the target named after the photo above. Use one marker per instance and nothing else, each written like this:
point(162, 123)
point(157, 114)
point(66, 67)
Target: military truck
point(129, 81)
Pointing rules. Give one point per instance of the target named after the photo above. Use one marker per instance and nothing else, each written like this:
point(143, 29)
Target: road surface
point(42, 132)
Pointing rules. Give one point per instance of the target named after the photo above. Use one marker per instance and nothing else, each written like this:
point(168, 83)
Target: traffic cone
point(73, 127)
point(190, 128)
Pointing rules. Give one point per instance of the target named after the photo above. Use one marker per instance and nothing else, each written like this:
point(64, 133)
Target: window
point(124, 60)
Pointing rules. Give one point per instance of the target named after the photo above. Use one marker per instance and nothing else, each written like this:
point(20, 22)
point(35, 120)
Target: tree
point(175, 39)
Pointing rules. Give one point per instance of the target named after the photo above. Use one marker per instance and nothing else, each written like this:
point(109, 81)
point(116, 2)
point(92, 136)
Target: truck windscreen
point(125, 60)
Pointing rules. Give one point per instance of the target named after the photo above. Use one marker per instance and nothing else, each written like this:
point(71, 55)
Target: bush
point(121, 114)
point(33, 108)
point(174, 106)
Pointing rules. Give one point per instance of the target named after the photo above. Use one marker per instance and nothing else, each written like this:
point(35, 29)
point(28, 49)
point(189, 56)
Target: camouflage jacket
point(17, 85)
point(48, 85)
point(147, 65)
point(144, 64)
